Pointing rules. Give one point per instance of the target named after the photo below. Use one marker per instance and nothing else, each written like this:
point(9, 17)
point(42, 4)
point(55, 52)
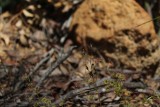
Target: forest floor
point(41, 65)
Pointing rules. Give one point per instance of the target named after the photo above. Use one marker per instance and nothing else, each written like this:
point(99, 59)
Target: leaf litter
point(32, 55)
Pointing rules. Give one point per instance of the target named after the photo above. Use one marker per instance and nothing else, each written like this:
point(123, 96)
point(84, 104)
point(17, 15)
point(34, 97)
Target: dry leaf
point(5, 38)
point(1, 26)
point(23, 40)
point(22, 32)
point(58, 4)
point(19, 24)
point(111, 96)
point(2, 53)
point(39, 36)
point(27, 14)
point(32, 7)
point(5, 15)
point(30, 21)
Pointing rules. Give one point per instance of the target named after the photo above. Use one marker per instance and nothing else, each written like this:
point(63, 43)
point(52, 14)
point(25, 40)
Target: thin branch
point(73, 93)
point(117, 70)
point(62, 58)
point(98, 84)
point(134, 85)
point(38, 65)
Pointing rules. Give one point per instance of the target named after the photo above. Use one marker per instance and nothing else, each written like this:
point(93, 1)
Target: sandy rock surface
point(111, 26)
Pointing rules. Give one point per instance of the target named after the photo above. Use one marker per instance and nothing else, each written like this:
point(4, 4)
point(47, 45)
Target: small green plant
point(61, 104)
point(148, 100)
point(118, 76)
point(117, 86)
point(127, 104)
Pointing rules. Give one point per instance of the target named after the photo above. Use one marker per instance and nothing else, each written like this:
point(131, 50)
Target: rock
point(112, 27)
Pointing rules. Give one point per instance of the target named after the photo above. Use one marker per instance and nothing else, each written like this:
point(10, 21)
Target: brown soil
point(111, 25)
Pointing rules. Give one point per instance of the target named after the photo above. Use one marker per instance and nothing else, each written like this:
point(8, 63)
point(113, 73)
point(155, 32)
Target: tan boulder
point(112, 26)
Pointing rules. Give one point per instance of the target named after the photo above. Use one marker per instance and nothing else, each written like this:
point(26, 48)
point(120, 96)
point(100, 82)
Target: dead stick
point(62, 58)
point(70, 94)
point(38, 65)
point(98, 84)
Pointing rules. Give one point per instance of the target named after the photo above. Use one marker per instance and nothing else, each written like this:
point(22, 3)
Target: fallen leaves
point(27, 14)
point(5, 38)
point(29, 46)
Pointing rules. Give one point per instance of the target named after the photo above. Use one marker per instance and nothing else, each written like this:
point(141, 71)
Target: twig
point(73, 93)
point(98, 84)
point(148, 91)
point(62, 58)
point(124, 71)
point(134, 85)
point(38, 65)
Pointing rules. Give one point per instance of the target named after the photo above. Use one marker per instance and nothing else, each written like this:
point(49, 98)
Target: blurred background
point(153, 8)
point(54, 7)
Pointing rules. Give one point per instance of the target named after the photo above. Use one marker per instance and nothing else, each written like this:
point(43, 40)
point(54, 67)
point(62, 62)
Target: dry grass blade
point(157, 18)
